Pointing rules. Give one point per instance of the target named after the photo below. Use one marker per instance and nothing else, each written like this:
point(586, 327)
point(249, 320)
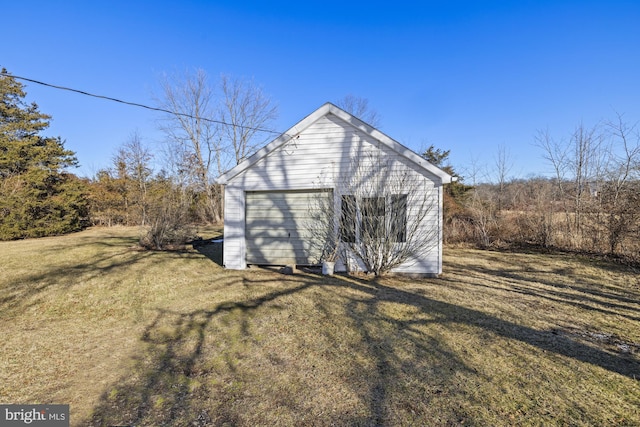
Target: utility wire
point(135, 104)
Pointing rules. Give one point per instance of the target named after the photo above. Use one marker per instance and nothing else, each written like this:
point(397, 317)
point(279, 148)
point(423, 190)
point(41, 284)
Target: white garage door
point(282, 226)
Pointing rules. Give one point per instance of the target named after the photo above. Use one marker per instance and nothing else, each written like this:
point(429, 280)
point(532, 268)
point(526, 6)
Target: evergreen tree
point(37, 196)
point(440, 158)
point(455, 194)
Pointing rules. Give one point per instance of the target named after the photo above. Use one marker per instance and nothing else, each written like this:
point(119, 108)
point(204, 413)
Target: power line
point(135, 104)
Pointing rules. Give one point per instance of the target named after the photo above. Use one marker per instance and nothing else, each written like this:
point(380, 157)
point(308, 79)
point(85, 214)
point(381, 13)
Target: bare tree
point(132, 162)
point(619, 191)
point(382, 215)
point(193, 135)
point(585, 163)
point(577, 164)
point(480, 205)
point(246, 115)
point(597, 181)
point(360, 108)
point(557, 154)
point(207, 134)
point(503, 165)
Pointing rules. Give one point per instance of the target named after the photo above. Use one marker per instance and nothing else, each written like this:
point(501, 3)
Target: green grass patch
point(129, 337)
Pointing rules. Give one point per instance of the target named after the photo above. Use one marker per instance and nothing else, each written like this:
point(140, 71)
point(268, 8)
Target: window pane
point(398, 218)
point(348, 219)
point(373, 214)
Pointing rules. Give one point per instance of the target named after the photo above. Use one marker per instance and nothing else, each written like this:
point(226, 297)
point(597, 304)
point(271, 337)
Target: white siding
point(317, 158)
point(430, 261)
point(233, 256)
point(313, 159)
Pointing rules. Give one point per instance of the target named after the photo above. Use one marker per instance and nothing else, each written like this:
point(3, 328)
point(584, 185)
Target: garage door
point(282, 227)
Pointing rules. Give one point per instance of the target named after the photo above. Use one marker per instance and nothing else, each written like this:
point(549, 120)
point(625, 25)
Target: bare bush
point(382, 216)
point(169, 226)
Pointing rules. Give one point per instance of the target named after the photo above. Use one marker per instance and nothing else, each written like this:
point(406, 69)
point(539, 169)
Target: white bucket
point(327, 267)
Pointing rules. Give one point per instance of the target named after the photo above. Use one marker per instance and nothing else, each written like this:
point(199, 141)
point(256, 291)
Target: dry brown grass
point(140, 338)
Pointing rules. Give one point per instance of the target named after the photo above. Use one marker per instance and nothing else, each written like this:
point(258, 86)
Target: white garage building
point(270, 197)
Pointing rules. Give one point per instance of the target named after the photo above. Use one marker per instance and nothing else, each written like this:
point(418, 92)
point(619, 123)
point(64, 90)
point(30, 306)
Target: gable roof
point(326, 109)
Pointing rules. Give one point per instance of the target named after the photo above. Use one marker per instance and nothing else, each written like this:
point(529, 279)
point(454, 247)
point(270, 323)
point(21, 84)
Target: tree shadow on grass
point(79, 260)
point(23, 293)
point(166, 387)
point(590, 297)
point(594, 288)
point(211, 366)
point(547, 340)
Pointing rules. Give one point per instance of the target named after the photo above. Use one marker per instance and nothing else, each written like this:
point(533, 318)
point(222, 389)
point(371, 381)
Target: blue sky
point(466, 76)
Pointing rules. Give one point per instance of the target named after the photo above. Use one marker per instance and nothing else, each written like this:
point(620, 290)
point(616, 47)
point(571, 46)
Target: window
point(380, 218)
point(398, 218)
point(348, 219)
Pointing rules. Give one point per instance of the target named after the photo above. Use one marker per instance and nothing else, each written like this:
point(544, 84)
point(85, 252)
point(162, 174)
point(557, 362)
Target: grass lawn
point(164, 338)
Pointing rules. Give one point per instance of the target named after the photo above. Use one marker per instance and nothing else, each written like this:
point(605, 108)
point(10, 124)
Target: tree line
point(213, 127)
point(590, 203)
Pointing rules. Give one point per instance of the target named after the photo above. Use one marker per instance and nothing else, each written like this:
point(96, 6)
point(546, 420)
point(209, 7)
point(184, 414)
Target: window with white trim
point(373, 217)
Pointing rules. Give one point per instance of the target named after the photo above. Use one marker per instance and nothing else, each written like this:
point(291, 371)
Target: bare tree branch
point(360, 108)
point(249, 111)
point(383, 215)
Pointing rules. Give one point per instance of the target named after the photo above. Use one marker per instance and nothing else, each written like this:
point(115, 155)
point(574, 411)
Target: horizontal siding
point(267, 247)
point(233, 253)
point(315, 158)
point(281, 258)
point(266, 230)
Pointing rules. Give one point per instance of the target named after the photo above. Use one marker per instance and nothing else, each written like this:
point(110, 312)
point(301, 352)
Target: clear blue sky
point(468, 76)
